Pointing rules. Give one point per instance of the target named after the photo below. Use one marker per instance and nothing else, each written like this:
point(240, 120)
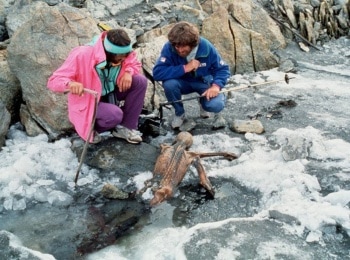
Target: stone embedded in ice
point(284, 217)
point(341, 197)
point(59, 198)
point(29, 191)
point(84, 181)
point(19, 204)
point(45, 182)
point(314, 236)
point(12, 248)
point(71, 184)
point(4, 240)
point(112, 192)
point(15, 187)
point(289, 153)
point(20, 191)
point(294, 151)
point(8, 203)
point(12, 203)
point(41, 194)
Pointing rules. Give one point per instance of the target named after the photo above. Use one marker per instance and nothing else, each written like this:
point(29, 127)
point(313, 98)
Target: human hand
point(76, 88)
point(211, 92)
point(192, 65)
point(125, 82)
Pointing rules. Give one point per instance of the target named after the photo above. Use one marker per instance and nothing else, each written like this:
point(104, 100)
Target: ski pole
point(286, 79)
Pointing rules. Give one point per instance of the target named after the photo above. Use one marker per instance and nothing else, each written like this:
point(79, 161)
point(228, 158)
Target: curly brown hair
point(184, 34)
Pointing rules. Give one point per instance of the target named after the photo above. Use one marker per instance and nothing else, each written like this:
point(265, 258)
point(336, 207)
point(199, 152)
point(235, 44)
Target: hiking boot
point(219, 121)
point(97, 138)
point(203, 113)
point(177, 121)
point(132, 136)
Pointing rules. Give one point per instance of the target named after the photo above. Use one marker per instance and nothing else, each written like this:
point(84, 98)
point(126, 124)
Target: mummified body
point(172, 165)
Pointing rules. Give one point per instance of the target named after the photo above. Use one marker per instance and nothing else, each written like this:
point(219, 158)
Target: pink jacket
point(80, 67)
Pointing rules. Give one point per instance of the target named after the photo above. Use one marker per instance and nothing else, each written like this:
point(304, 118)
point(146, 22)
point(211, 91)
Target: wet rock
point(275, 214)
point(247, 126)
point(287, 103)
point(287, 66)
point(274, 114)
point(112, 192)
point(117, 155)
point(31, 126)
point(10, 87)
point(303, 47)
point(188, 125)
point(4, 241)
point(5, 119)
point(219, 122)
point(9, 251)
point(106, 223)
point(205, 243)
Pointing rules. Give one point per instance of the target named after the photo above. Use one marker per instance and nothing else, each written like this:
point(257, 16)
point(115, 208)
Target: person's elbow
point(55, 84)
point(50, 83)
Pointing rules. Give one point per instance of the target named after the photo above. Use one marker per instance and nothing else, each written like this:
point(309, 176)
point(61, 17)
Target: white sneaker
point(178, 121)
point(132, 136)
point(203, 113)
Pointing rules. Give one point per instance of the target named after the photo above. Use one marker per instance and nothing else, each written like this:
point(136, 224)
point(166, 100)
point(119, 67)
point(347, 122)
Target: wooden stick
point(82, 156)
point(90, 91)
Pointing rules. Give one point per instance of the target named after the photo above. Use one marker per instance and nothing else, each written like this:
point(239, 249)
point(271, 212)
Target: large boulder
point(246, 37)
point(38, 48)
point(20, 12)
point(221, 36)
point(148, 55)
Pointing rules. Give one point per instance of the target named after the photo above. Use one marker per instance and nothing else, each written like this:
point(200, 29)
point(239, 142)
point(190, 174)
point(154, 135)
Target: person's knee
point(168, 85)
point(140, 80)
point(109, 118)
point(115, 116)
point(215, 105)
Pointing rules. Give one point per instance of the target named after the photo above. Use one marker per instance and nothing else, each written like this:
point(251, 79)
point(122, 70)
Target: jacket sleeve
point(167, 65)
point(131, 64)
point(60, 78)
point(219, 69)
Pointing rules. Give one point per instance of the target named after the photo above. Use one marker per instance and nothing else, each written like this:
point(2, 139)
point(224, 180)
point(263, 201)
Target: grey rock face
point(4, 122)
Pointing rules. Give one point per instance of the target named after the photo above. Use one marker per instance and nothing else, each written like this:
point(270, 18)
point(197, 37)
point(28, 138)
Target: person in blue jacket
point(190, 63)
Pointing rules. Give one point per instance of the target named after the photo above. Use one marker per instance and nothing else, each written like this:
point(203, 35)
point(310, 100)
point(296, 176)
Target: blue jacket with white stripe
point(212, 68)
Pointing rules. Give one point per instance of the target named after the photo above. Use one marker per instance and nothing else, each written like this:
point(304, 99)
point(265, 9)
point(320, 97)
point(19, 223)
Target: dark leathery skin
point(173, 163)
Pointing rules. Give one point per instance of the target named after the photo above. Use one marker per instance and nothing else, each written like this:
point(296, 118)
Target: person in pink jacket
point(109, 66)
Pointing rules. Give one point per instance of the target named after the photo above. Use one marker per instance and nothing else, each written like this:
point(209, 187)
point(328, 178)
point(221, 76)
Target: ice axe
point(286, 79)
point(82, 156)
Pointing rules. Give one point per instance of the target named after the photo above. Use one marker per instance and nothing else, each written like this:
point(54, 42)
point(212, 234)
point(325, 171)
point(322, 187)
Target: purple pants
point(108, 116)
